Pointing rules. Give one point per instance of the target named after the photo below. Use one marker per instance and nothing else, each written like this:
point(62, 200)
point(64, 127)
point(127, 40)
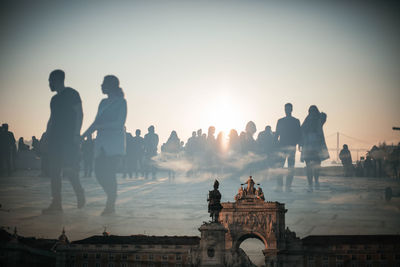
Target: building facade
point(128, 251)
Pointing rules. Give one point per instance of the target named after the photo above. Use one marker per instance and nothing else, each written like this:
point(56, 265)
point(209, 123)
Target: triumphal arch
point(250, 216)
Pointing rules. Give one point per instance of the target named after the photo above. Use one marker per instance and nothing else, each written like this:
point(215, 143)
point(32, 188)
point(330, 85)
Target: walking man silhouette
point(288, 135)
point(63, 139)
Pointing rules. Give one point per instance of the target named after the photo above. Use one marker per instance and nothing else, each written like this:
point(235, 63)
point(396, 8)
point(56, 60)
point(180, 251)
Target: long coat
point(313, 140)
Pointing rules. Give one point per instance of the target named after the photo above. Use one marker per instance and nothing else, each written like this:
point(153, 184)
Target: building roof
point(140, 240)
point(32, 242)
point(328, 240)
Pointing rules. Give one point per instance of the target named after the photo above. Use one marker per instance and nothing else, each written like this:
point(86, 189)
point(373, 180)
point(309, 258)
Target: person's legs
point(136, 166)
point(316, 167)
point(55, 185)
point(153, 169)
point(309, 171)
point(73, 176)
point(289, 177)
point(90, 165)
point(9, 164)
point(105, 169)
point(281, 158)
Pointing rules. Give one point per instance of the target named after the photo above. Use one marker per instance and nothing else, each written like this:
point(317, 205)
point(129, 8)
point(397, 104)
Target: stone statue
point(250, 186)
point(214, 202)
point(260, 193)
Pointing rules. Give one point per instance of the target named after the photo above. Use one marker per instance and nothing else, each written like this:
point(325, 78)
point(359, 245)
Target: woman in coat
point(110, 141)
point(313, 146)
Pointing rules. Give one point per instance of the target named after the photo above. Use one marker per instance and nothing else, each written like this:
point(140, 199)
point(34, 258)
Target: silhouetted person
point(266, 141)
point(171, 150)
point(35, 145)
point(266, 147)
point(13, 152)
point(288, 135)
point(220, 144)
point(201, 143)
point(88, 155)
point(243, 143)
point(369, 166)
point(313, 146)
point(44, 156)
point(150, 150)
point(63, 139)
point(345, 157)
point(250, 143)
point(135, 154)
point(395, 160)
point(190, 147)
point(21, 145)
point(110, 140)
point(211, 136)
point(233, 143)
point(377, 154)
point(211, 148)
point(5, 152)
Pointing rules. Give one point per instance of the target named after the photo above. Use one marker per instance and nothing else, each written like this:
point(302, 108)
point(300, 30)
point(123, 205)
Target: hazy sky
point(186, 65)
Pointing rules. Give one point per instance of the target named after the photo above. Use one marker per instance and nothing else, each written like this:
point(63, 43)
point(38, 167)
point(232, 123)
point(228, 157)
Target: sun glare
point(224, 115)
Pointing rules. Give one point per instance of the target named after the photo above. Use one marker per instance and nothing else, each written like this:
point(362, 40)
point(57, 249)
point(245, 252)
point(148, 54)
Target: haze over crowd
point(185, 66)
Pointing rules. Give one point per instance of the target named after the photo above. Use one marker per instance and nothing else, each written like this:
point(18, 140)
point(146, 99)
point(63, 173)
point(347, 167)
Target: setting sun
point(223, 113)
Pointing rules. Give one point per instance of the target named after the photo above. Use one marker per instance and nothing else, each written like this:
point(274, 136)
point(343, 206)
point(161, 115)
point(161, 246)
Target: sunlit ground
point(179, 207)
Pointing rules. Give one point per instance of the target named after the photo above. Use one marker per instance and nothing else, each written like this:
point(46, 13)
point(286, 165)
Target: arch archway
point(246, 236)
point(253, 247)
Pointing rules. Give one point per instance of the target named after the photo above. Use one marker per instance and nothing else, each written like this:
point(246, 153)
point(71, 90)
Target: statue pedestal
point(212, 245)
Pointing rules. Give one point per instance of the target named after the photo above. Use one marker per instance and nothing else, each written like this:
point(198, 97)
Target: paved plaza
point(178, 207)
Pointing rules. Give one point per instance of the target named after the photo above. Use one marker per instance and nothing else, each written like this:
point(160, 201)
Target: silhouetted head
point(194, 134)
point(233, 134)
point(56, 80)
point(216, 184)
point(21, 139)
point(174, 134)
point(211, 130)
point(345, 146)
point(138, 132)
point(313, 110)
point(151, 129)
point(199, 132)
point(5, 126)
point(251, 128)
point(220, 136)
point(268, 128)
point(110, 86)
point(288, 109)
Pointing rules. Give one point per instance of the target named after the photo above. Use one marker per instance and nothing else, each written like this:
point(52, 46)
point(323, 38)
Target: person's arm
point(277, 132)
point(93, 126)
point(50, 122)
point(323, 118)
point(299, 135)
point(79, 118)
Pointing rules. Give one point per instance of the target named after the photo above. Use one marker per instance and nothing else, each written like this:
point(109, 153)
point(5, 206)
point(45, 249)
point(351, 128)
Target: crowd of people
point(219, 154)
point(380, 161)
point(114, 149)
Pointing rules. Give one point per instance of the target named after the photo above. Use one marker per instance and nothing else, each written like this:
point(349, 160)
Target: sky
point(185, 65)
